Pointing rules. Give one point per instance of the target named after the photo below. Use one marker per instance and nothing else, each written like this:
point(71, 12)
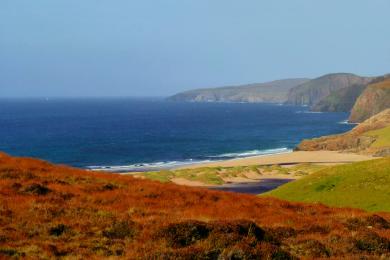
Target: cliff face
point(340, 101)
point(373, 100)
point(311, 93)
point(271, 92)
point(360, 139)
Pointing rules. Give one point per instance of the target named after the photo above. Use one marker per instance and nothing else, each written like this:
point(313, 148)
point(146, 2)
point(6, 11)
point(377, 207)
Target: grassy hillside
point(49, 211)
point(270, 92)
point(382, 137)
point(314, 91)
point(369, 137)
point(364, 185)
point(374, 99)
point(341, 100)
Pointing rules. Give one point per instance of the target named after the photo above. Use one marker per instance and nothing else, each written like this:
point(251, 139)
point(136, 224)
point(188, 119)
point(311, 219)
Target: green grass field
point(382, 135)
point(364, 185)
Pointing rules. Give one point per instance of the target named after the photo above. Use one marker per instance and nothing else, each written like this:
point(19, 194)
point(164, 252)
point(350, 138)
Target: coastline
point(266, 177)
point(287, 159)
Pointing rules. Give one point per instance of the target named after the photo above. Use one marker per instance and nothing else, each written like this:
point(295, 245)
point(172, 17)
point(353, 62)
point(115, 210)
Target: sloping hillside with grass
point(374, 99)
point(369, 137)
point(49, 211)
point(312, 92)
point(364, 185)
point(341, 100)
point(382, 137)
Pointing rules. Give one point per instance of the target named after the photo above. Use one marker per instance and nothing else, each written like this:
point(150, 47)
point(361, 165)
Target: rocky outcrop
point(315, 91)
point(271, 92)
point(373, 100)
point(356, 140)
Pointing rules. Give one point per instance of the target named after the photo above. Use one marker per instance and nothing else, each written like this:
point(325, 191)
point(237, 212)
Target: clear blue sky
point(159, 47)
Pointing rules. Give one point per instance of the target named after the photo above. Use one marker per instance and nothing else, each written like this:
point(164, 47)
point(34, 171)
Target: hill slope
point(373, 100)
point(363, 185)
point(271, 92)
point(362, 138)
point(341, 100)
point(311, 93)
point(49, 211)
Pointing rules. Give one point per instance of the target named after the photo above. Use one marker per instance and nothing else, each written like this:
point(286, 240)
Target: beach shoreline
point(287, 159)
point(250, 182)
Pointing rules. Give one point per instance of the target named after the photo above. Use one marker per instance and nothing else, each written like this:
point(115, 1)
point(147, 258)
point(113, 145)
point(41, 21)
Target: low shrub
point(10, 252)
point(364, 222)
point(37, 189)
point(58, 230)
point(310, 248)
point(377, 222)
point(109, 186)
point(281, 233)
point(185, 233)
point(371, 242)
point(121, 230)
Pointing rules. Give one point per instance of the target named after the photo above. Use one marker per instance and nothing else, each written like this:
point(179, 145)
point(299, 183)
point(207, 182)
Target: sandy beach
point(255, 181)
point(292, 158)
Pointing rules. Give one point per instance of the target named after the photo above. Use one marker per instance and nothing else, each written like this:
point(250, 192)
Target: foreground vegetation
point(364, 185)
point(222, 175)
point(49, 211)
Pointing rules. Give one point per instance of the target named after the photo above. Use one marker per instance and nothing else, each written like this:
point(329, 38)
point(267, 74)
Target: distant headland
point(337, 92)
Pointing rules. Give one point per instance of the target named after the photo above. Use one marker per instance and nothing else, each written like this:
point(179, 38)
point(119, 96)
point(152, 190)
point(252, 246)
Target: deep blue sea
point(122, 134)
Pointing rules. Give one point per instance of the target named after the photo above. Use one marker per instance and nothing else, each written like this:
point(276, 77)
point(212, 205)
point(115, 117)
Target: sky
point(67, 48)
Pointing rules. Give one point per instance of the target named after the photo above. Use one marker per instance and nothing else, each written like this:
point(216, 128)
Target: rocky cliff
point(332, 92)
point(373, 100)
point(340, 101)
point(271, 92)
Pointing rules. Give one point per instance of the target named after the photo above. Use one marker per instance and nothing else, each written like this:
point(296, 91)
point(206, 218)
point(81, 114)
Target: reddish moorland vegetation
point(49, 211)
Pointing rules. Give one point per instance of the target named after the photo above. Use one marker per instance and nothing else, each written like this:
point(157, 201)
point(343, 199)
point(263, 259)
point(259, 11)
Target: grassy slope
point(313, 91)
point(361, 139)
point(364, 185)
point(372, 101)
point(49, 211)
point(382, 137)
point(340, 101)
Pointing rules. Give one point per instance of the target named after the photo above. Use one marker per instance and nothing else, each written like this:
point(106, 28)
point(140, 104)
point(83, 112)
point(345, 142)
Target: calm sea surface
point(123, 134)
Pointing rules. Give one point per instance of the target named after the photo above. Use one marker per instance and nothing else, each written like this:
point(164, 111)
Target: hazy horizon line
point(118, 96)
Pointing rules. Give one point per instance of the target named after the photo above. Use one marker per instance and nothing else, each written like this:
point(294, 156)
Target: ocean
point(136, 134)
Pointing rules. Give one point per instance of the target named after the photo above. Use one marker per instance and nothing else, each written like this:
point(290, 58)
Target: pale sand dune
point(185, 182)
point(318, 157)
point(240, 179)
point(286, 159)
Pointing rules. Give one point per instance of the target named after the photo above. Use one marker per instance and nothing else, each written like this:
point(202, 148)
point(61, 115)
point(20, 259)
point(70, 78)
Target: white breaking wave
point(174, 164)
point(346, 122)
point(314, 112)
point(309, 112)
point(146, 166)
point(253, 153)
